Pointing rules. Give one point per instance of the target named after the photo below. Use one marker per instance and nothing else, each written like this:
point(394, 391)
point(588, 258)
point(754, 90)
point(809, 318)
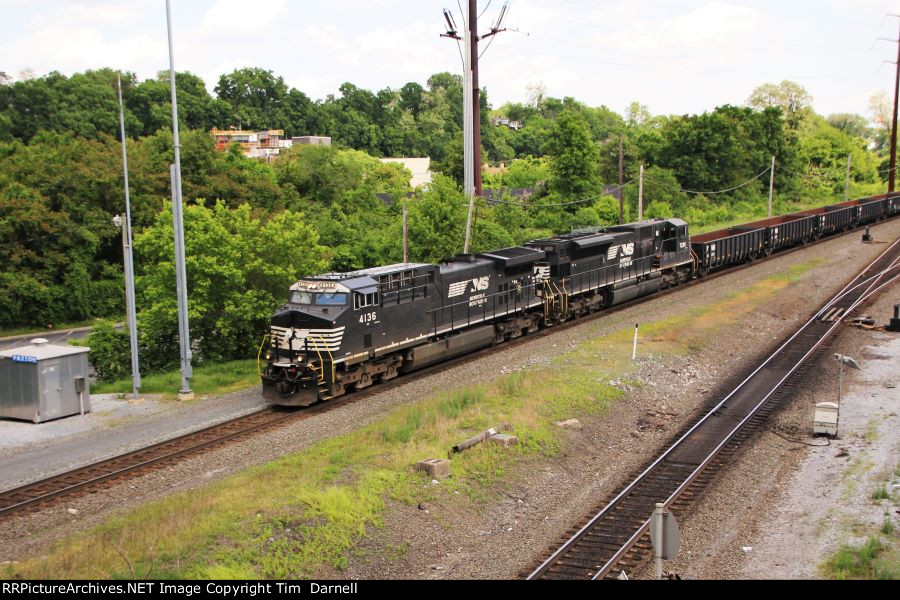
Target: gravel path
point(30, 452)
point(509, 531)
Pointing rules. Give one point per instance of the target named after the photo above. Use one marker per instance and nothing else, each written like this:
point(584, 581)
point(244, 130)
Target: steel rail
point(540, 570)
point(118, 472)
point(612, 561)
point(702, 467)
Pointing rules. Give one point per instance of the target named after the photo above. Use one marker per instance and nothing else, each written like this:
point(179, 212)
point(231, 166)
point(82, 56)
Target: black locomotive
point(346, 331)
point(342, 331)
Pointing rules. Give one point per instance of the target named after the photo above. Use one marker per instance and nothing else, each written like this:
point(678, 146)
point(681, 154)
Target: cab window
point(301, 297)
point(331, 299)
point(365, 300)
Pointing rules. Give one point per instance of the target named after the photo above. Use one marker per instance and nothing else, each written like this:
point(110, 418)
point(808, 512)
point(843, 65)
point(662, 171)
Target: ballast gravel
point(514, 526)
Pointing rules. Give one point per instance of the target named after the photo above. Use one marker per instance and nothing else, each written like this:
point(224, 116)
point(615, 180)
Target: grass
point(219, 378)
point(887, 526)
point(880, 493)
point(874, 559)
point(303, 514)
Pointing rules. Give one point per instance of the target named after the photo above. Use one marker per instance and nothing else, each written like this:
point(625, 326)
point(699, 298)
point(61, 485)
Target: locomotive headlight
point(268, 355)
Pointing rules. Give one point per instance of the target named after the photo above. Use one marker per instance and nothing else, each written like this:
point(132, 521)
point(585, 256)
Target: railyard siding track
point(38, 495)
point(618, 536)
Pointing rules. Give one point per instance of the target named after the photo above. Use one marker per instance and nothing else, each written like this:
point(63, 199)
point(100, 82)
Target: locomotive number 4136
point(368, 318)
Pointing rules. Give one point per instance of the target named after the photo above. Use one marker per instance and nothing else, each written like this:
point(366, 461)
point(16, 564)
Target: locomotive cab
point(329, 335)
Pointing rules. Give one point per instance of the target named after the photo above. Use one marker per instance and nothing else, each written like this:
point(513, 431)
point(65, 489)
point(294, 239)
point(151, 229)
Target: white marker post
point(665, 536)
point(658, 547)
point(634, 352)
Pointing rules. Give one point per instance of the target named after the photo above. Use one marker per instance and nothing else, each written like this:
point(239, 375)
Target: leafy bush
point(110, 352)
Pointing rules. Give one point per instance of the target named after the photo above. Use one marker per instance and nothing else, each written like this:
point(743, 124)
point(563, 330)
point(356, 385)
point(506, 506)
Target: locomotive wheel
point(365, 380)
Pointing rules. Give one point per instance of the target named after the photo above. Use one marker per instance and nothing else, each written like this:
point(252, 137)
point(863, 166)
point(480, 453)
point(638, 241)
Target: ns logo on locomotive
point(345, 331)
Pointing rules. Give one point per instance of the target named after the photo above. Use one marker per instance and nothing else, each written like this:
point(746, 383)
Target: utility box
point(825, 420)
point(41, 382)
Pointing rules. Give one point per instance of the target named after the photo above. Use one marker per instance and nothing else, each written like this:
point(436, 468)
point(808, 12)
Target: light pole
point(129, 302)
point(187, 371)
point(128, 255)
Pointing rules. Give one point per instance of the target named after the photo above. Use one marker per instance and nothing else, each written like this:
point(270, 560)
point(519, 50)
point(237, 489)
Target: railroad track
point(618, 535)
point(91, 478)
point(39, 494)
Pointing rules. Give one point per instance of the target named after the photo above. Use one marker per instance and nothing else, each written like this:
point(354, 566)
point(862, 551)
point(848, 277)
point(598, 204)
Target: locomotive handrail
point(259, 356)
point(330, 359)
point(321, 360)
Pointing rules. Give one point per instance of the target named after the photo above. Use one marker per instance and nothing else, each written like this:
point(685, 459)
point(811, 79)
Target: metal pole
point(621, 181)
point(405, 235)
point(641, 197)
point(840, 379)
point(634, 352)
point(893, 175)
point(847, 185)
point(658, 551)
point(180, 275)
point(771, 185)
point(476, 97)
point(129, 259)
point(468, 144)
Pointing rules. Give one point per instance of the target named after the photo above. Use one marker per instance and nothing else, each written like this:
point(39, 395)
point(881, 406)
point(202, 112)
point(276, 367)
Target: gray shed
point(41, 382)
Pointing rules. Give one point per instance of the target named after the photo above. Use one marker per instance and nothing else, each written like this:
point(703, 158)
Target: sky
point(675, 56)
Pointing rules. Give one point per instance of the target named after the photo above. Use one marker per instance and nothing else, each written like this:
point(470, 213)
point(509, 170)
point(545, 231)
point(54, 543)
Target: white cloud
point(229, 18)
point(715, 25)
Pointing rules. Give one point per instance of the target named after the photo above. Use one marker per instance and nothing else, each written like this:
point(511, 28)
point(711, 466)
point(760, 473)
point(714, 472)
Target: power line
point(746, 183)
point(582, 201)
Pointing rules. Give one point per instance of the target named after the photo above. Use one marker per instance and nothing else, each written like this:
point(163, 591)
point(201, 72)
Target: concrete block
point(504, 440)
point(437, 468)
point(569, 424)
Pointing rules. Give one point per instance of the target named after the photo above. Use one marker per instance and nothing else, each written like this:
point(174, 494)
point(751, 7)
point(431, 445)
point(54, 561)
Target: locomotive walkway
point(618, 536)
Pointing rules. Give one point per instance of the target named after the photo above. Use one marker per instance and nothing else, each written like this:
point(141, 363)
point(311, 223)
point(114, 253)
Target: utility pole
point(468, 135)
point(476, 95)
point(621, 181)
point(641, 196)
point(405, 235)
point(847, 185)
point(129, 259)
point(471, 101)
point(187, 372)
point(771, 185)
point(893, 176)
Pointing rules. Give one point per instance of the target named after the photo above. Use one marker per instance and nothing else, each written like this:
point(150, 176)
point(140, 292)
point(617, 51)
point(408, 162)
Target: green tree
point(574, 157)
point(239, 269)
point(792, 98)
point(437, 221)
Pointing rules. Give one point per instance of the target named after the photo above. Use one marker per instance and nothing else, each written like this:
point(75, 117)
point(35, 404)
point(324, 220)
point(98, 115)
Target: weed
point(880, 493)
point(887, 526)
point(860, 562)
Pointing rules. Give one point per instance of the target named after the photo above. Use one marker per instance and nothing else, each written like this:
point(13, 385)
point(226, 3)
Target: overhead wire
point(558, 204)
point(711, 193)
